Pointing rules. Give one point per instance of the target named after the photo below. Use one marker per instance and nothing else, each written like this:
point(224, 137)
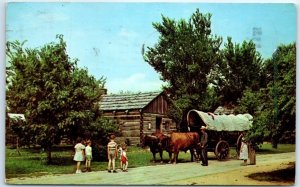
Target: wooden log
point(132, 140)
point(131, 133)
point(154, 115)
point(121, 112)
point(122, 116)
point(148, 118)
point(146, 131)
point(131, 123)
point(130, 128)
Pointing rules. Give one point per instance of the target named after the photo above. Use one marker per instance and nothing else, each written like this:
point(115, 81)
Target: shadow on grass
point(38, 149)
point(56, 160)
point(283, 175)
point(61, 161)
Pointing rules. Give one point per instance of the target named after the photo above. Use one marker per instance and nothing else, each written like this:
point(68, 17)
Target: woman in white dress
point(79, 154)
point(244, 152)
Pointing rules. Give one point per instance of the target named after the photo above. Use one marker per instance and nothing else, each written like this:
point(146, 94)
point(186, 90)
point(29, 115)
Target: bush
point(99, 153)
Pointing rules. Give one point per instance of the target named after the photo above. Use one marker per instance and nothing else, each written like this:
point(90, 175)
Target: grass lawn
point(32, 162)
point(266, 148)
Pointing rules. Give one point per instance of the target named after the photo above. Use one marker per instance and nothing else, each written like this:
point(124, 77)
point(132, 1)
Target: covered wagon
point(224, 131)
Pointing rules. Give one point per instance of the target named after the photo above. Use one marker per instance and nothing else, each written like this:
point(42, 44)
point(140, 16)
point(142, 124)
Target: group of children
point(83, 152)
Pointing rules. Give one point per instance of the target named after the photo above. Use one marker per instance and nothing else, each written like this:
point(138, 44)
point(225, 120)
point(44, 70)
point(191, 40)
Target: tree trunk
point(252, 155)
point(275, 141)
point(49, 158)
point(274, 145)
point(18, 150)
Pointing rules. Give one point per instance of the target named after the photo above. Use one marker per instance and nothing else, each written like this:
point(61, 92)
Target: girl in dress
point(79, 154)
point(124, 159)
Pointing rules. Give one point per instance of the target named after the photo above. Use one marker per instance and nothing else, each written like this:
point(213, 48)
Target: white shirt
point(88, 150)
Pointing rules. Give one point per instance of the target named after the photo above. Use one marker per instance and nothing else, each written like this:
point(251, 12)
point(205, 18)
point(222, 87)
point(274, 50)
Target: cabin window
point(149, 126)
point(167, 125)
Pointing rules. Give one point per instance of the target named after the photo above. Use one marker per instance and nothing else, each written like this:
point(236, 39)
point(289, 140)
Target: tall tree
point(241, 68)
point(56, 97)
point(274, 105)
point(281, 69)
point(184, 56)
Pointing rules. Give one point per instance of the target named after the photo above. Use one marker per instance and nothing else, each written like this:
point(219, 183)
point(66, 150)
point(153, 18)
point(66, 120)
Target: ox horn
point(151, 136)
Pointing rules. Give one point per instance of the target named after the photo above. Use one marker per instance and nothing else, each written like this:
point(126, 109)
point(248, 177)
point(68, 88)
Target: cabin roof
point(127, 101)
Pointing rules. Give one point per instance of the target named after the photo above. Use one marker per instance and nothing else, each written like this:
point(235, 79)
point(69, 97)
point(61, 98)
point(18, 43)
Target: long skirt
point(244, 152)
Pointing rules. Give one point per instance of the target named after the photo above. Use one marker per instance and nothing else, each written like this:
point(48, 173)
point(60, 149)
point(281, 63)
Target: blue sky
point(107, 38)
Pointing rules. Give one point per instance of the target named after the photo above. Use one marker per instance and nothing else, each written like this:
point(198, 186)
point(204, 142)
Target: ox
point(157, 142)
point(183, 142)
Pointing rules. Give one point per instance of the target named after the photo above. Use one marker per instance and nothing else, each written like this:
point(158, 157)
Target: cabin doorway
point(158, 124)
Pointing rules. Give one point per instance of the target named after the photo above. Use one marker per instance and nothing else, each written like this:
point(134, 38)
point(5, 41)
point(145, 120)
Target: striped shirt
point(112, 146)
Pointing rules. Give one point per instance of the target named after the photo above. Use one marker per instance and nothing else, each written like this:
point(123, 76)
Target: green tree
point(256, 103)
point(184, 56)
point(274, 105)
point(281, 69)
point(57, 98)
point(240, 69)
point(250, 102)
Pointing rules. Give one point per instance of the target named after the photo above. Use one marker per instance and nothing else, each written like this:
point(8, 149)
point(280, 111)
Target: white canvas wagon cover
point(240, 122)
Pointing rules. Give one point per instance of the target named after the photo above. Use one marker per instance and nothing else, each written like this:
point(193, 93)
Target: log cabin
point(138, 114)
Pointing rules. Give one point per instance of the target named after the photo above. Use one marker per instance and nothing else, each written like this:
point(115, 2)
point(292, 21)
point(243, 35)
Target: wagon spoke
point(222, 150)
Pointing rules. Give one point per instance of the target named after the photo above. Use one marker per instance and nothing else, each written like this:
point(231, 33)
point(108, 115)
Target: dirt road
point(224, 173)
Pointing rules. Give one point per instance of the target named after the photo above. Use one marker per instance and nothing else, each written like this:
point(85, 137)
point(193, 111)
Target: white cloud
point(51, 17)
point(38, 18)
point(135, 83)
point(125, 33)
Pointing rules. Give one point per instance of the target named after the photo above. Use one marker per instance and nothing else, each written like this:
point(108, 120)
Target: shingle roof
point(128, 101)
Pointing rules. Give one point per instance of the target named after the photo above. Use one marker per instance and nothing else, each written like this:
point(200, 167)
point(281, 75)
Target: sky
point(107, 38)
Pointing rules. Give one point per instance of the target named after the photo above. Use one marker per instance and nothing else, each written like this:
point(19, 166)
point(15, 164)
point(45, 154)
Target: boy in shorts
point(88, 155)
point(112, 154)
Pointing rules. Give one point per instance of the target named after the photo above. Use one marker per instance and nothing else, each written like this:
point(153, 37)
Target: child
point(79, 155)
point(88, 154)
point(244, 152)
point(112, 154)
point(124, 159)
point(120, 155)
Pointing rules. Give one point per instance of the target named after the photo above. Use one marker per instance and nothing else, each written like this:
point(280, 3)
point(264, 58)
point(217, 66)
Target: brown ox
point(183, 142)
point(157, 142)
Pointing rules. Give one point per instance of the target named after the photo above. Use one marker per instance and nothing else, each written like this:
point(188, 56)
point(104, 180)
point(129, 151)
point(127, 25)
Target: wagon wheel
point(222, 150)
point(238, 145)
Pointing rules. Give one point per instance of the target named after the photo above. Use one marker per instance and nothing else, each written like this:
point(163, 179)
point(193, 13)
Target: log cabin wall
point(151, 124)
point(155, 116)
point(129, 125)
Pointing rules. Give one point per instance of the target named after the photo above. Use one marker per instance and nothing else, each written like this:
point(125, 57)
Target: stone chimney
point(104, 91)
